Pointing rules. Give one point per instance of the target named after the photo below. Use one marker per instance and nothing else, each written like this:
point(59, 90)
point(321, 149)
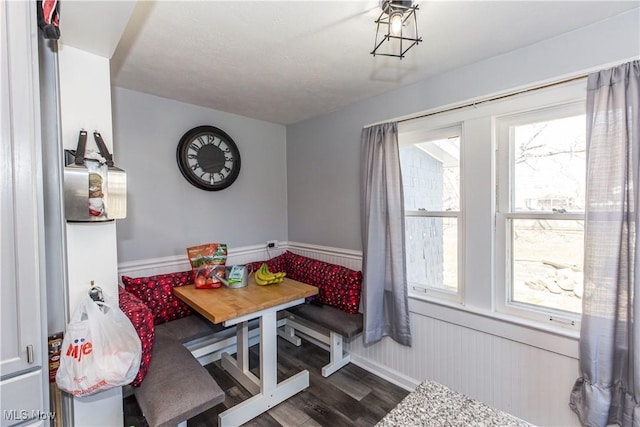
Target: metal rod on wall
point(483, 101)
point(496, 98)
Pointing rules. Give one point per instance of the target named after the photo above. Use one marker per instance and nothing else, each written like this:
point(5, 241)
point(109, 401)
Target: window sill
point(556, 339)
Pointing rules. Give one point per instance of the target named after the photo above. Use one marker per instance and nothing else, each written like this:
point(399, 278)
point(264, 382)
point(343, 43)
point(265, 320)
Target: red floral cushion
point(339, 286)
point(277, 264)
point(157, 293)
point(142, 320)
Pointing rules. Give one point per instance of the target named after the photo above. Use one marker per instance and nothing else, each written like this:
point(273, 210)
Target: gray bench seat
point(331, 318)
point(188, 328)
point(325, 324)
point(176, 387)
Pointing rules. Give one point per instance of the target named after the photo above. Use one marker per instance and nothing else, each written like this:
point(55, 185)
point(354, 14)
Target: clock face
point(208, 158)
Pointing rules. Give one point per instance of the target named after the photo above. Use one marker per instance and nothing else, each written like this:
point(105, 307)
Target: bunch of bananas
point(264, 277)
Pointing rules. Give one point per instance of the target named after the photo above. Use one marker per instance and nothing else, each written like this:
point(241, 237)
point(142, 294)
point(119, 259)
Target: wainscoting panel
point(345, 257)
point(526, 381)
point(149, 267)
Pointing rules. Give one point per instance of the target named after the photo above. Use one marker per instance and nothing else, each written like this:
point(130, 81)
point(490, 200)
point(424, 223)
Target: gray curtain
point(608, 392)
point(386, 305)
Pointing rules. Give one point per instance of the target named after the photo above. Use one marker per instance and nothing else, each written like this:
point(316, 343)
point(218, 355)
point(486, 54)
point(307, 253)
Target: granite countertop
point(432, 404)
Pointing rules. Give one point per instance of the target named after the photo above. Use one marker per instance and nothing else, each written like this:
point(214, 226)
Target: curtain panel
point(386, 305)
point(608, 391)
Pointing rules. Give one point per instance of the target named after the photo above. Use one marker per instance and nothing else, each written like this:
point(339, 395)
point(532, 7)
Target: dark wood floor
point(349, 397)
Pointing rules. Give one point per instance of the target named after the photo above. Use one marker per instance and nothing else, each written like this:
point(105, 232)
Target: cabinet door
point(20, 196)
point(20, 403)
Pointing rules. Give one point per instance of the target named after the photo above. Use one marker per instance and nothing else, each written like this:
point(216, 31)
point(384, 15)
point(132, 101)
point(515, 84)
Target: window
point(494, 206)
point(431, 181)
point(540, 210)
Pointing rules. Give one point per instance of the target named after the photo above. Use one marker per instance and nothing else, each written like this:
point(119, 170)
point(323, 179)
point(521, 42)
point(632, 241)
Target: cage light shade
point(397, 28)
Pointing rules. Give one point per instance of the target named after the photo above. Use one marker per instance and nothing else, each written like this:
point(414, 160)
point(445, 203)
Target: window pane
point(431, 175)
point(547, 263)
point(549, 165)
point(432, 252)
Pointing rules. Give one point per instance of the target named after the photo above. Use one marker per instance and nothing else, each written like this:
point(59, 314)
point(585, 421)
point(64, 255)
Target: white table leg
point(242, 334)
point(251, 408)
point(239, 367)
point(268, 353)
point(271, 393)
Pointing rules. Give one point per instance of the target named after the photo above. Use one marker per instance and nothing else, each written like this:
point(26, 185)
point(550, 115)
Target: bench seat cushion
point(347, 325)
point(157, 293)
point(142, 320)
point(338, 286)
point(188, 328)
point(275, 264)
point(176, 387)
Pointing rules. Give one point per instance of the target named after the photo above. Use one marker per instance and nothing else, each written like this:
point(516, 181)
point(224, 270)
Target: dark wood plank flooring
point(349, 397)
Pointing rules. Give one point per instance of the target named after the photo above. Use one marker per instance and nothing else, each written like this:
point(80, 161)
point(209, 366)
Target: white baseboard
point(385, 373)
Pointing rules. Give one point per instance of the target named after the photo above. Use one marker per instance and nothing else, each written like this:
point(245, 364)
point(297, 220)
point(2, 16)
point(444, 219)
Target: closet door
point(21, 352)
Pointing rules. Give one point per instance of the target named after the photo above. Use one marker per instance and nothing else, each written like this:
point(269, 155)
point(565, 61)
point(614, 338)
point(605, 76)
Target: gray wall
point(323, 153)
point(166, 214)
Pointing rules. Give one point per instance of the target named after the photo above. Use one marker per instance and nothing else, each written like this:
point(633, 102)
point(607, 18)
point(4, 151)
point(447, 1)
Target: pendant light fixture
point(397, 28)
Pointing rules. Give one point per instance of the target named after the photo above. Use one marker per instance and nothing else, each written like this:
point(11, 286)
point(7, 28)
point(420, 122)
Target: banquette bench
point(330, 317)
point(173, 386)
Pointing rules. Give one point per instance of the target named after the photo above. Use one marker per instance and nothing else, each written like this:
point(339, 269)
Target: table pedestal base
point(266, 389)
point(251, 408)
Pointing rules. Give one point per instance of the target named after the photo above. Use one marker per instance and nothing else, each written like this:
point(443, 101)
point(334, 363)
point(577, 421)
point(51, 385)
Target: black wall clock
point(208, 158)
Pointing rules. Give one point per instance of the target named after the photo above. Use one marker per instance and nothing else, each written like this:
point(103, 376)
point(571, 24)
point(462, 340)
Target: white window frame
point(411, 137)
point(479, 283)
point(504, 214)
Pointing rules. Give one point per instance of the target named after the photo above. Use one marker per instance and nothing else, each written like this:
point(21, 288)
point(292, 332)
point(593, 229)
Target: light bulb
point(396, 23)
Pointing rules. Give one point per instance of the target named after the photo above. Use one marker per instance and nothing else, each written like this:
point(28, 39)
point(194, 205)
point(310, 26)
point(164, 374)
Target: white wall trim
point(235, 255)
point(131, 267)
point(326, 250)
point(173, 263)
point(385, 373)
point(514, 329)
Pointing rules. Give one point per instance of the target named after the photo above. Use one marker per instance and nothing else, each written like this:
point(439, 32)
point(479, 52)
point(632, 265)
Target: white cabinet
point(22, 347)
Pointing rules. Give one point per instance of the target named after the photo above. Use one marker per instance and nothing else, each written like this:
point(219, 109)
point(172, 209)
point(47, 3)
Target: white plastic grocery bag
point(100, 350)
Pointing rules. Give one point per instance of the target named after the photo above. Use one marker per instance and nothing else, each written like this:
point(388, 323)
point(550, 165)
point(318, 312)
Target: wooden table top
point(222, 304)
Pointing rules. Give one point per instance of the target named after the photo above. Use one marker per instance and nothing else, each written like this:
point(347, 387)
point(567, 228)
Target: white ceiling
point(286, 61)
